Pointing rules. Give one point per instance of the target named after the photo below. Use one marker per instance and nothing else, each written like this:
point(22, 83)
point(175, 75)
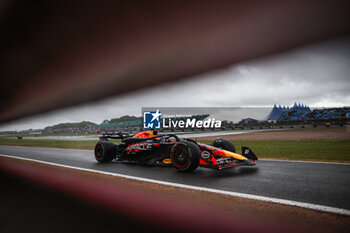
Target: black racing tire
point(224, 144)
point(185, 156)
point(105, 152)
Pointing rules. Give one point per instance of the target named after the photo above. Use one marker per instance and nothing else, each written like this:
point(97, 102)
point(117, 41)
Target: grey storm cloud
point(316, 75)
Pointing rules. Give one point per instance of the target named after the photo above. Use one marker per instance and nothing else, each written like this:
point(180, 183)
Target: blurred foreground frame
point(60, 53)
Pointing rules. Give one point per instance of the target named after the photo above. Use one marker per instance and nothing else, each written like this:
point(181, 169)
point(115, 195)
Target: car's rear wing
point(248, 153)
point(114, 135)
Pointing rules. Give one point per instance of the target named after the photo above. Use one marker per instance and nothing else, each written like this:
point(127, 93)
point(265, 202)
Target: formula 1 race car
point(149, 147)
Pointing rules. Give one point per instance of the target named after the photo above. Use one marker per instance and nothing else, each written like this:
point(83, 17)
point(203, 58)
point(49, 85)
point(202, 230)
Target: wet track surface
point(316, 183)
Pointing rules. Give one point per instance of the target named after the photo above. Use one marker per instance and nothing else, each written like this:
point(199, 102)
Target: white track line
point(198, 188)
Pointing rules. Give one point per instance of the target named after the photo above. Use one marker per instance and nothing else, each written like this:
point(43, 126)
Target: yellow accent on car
point(167, 161)
point(234, 155)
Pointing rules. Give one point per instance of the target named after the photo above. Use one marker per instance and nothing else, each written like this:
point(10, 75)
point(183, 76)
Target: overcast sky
point(317, 75)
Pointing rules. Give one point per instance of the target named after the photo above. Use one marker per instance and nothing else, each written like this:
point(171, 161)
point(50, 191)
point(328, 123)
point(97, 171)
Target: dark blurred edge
point(60, 53)
point(46, 201)
point(30, 207)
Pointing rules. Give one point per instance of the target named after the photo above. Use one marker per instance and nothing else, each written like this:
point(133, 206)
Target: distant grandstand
point(124, 123)
point(301, 112)
point(297, 112)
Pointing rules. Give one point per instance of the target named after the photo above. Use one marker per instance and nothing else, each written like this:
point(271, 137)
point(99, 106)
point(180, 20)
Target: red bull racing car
point(149, 147)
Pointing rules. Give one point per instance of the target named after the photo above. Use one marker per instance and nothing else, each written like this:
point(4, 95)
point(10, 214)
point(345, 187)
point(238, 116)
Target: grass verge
point(86, 145)
point(64, 144)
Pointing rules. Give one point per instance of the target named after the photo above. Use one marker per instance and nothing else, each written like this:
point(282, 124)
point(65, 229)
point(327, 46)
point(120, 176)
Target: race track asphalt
point(317, 183)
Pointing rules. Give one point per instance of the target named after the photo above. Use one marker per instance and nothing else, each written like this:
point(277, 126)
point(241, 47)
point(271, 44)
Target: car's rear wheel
point(104, 152)
point(185, 156)
point(224, 144)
